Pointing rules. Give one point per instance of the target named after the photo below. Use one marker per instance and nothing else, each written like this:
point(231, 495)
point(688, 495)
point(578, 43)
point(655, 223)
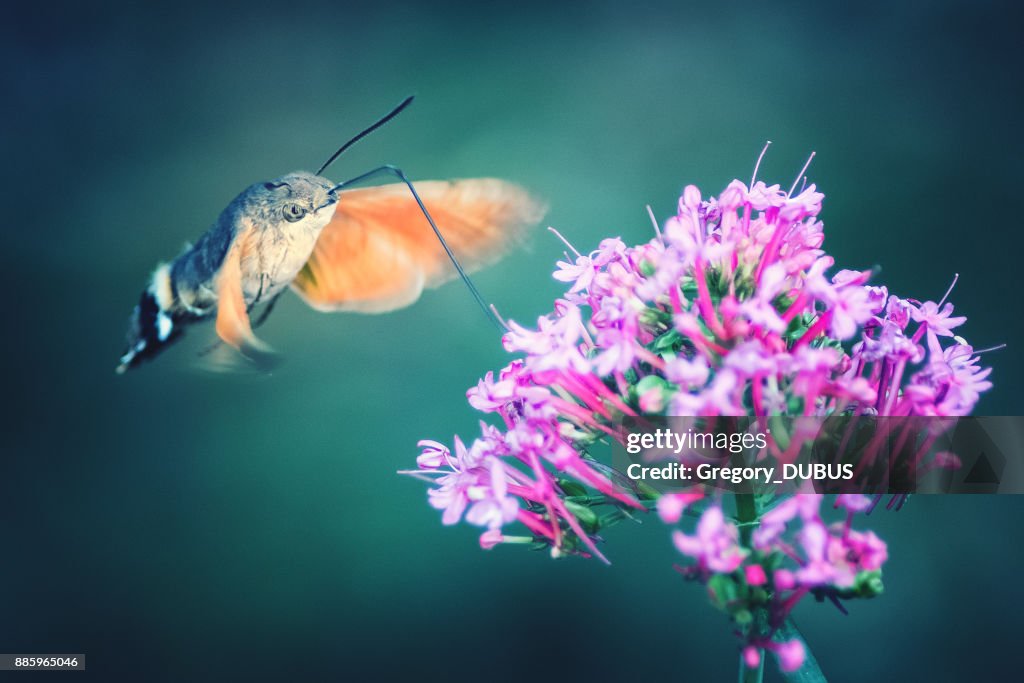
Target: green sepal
point(867, 584)
point(584, 515)
point(572, 488)
point(670, 341)
point(723, 590)
point(647, 492)
point(743, 617)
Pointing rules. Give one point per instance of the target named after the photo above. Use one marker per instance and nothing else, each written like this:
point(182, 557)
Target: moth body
point(265, 236)
point(369, 250)
point(372, 255)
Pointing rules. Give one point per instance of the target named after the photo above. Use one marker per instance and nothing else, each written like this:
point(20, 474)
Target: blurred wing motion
point(378, 253)
point(233, 326)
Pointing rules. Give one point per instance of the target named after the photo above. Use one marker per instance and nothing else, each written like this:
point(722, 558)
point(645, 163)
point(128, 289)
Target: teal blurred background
point(178, 525)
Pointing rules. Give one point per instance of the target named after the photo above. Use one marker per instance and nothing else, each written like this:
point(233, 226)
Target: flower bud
point(755, 575)
point(491, 538)
point(784, 580)
point(690, 198)
point(791, 655)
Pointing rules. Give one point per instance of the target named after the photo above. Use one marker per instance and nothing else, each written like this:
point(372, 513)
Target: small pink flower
point(854, 502)
point(807, 203)
point(888, 343)
point(820, 568)
point(671, 505)
point(784, 580)
point(852, 308)
point(877, 298)
point(861, 551)
point(580, 274)
point(716, 544)
point(690, 199)
point(939, 321)
point(687, 373)
point(762, 197)
point(751, 358)
point(433, 455)
point(489, 396)
point(492, 506)
point(721, 397)
point(773, 523)
point(897, 311)
point(491, 538)
point(450, 494)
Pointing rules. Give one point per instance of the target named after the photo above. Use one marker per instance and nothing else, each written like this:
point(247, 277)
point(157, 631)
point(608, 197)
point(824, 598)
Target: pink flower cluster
point(792, 552)
point(728, 311)
point(481, 482)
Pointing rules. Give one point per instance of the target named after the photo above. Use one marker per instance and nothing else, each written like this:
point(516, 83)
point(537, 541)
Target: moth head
point(296, 200)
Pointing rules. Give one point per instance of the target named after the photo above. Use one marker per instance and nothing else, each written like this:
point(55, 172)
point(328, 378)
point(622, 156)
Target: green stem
point(746, 515)
point(747, 518)
point(748, 675)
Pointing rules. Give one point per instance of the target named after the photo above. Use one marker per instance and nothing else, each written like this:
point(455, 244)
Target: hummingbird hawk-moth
point(339, 249)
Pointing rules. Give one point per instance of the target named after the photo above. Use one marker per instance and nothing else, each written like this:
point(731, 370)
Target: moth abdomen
point(154, 325)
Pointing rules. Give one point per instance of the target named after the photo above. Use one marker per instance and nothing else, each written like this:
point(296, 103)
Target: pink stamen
point(894, 387)
point(768, 255)
point(997, 347)
point(598, 386)
point(883, 384)
point(704, 303)
point(654, 221)
point(753, 178)
point(533, 522)
point(757, 395)
point(801, 174)
point(564, 241)
point(795, 307)
point(956, 276)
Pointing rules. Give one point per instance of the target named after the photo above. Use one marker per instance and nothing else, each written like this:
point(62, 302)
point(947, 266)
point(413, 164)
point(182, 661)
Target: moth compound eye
point(293, 212)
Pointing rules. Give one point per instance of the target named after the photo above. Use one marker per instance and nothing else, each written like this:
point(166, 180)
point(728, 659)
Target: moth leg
point(259, 295)
point(265, 313)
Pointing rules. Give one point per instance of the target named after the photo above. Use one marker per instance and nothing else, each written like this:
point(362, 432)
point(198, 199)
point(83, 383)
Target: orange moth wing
point(378, 253)
point(233, 325)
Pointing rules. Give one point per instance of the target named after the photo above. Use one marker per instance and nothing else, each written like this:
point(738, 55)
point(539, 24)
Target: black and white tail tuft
point(150, 331)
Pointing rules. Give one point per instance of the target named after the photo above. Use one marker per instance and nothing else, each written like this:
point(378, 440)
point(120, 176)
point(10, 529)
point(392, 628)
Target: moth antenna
point(400, 174)
point(380, 122)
